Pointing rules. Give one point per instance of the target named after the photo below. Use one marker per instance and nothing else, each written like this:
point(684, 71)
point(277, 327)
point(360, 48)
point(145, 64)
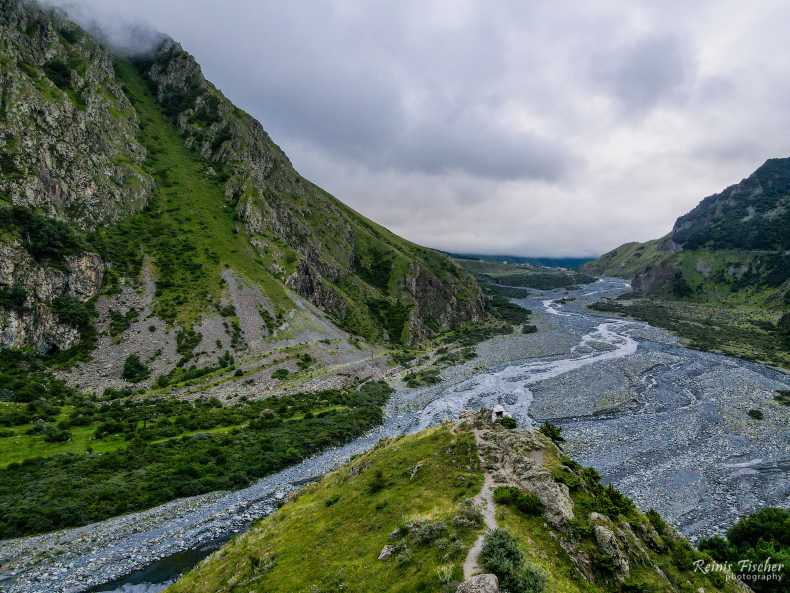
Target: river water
point(667, 425)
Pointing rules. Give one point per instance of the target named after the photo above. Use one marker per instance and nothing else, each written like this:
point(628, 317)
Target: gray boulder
point(482, 583)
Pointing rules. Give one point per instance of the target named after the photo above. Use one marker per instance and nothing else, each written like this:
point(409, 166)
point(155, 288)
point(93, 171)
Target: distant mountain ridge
point(549, 262)
point(732, 244)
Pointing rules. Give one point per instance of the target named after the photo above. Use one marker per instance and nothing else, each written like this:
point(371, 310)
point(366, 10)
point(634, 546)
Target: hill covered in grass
point(405, 516)
point(721, 278)
point(112, 166)
point(730, 248)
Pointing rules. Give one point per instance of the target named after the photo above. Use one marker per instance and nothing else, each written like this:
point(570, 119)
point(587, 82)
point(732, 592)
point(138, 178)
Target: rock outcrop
point(68, 140)
point(31, 320)
point(482, 583)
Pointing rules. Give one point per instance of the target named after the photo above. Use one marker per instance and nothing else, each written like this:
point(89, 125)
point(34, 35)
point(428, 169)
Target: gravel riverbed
point(666, 424)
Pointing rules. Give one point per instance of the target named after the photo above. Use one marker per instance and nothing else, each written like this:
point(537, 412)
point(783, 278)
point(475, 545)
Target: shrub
point(186, 342)
point(426, 532)
point(58, 72)
point(501, 556)
point(508, 422)
point(377, 483)
point(134, 370)
point(756, 414)
point(552, 431)
point(13, 298)
point(783, 397)
point(281, 374)
point(43, 237)
point(51, 432)
point(468, 516)
point(783, 327)
point(526, 502)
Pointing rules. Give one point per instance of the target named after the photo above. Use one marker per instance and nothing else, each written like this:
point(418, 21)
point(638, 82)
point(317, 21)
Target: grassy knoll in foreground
point(407, 501)
point(329, 538)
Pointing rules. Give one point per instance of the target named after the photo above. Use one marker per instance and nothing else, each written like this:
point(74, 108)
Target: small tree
point(134, 370)
point(552, 431)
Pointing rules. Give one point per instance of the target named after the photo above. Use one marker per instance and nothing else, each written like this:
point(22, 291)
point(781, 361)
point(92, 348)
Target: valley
point(216, 376)
point(623, 392)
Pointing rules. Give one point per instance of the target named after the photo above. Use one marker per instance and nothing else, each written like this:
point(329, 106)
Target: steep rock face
point(68, 149)
point(67, 140)
point(72, 148)
point(732, 241)
point(31, 319)
point(370, 280)
point(753, 214)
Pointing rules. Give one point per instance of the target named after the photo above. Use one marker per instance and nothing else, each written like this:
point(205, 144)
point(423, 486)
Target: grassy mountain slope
point(371, 281)
point(408, 498)
point(145, 162)
point(721, 279)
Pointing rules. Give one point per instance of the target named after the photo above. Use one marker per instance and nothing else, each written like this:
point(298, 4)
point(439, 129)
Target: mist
point(530, 129)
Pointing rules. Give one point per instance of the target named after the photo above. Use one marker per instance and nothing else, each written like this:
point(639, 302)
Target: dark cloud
point(648, 71)
point(536, 128)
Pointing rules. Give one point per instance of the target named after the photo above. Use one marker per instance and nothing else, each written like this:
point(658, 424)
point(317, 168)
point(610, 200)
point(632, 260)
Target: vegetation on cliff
point(399, 518)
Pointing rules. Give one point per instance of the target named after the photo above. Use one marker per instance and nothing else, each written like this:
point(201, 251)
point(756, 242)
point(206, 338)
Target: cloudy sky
point(529, 128)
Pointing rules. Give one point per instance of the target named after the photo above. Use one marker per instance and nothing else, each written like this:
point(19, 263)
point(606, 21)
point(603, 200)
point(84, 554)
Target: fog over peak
point(509, 127)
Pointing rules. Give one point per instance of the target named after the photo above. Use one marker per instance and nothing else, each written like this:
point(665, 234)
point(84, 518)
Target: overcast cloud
point(529, 128)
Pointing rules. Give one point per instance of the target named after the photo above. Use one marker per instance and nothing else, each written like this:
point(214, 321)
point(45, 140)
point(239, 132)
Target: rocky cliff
point(101, 157)
point(733, 243)
point(69, 157)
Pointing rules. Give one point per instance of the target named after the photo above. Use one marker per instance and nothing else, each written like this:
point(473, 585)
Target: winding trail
point(485, 500)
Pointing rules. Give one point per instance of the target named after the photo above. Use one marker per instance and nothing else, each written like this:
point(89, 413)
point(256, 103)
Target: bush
point(508, 422)
point(59, 73)
point(13, 298)
point(134, 370)
point(501, 556)
point(526, 502)
point(51, 432)
point(756, 414)
point(377, 483)
point(281, 374)
point(43, 237)
point(71, 311)
point(783, 327)
point(552, 431)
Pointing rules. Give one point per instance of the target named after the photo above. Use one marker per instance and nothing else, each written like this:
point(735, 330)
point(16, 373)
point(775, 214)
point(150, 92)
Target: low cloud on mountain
point(510, 127)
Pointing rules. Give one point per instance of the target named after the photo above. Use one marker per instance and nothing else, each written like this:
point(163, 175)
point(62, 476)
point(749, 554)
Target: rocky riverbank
point(666, 424)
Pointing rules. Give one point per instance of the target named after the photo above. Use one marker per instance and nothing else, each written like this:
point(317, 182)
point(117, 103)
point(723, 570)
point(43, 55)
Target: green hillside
point(721, 278)
point(148, 166)
point(400, 518)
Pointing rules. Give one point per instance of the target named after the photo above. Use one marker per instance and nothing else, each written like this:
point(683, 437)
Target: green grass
point(745, 331)
point(188, 231)
point(21, 446)
point(157, 449)
point(328, 538)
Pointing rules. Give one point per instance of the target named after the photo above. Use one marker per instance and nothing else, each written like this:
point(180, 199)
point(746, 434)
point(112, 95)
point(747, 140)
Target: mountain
point(732, 246)
point(123, 175)
point(406, 517)
point(721, 278)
